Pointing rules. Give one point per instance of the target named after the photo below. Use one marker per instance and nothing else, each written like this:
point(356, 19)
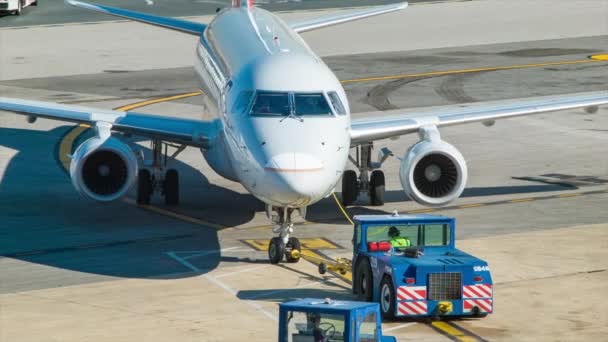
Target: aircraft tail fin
point(180, 25)
point(346, 17)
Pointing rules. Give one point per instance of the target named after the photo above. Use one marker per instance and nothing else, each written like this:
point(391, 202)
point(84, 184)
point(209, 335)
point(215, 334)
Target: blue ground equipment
point(426, 276)
point(325, 320)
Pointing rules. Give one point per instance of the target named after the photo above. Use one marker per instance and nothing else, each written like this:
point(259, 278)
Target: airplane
point(283, 127)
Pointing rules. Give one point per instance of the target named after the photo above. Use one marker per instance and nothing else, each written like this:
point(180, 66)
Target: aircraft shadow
point(44, 221)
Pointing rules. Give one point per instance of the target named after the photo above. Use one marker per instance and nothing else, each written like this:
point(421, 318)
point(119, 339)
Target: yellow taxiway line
point(454, 332)
point(466, 71)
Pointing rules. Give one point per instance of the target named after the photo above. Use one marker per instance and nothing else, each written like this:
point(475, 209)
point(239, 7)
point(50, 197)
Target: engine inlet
point(104, 173)
point(435, 175)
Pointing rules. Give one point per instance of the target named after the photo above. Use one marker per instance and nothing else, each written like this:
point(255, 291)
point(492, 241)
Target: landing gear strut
point(156, 177)
point(373, 184)
point(284, 244)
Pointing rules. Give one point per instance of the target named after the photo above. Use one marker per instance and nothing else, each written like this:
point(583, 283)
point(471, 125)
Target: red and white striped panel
point(477, 291)
point(484, 305)
point(412, 308)
point(411, 292)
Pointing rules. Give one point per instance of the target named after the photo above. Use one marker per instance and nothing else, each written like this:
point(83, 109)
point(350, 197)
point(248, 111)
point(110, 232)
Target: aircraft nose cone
point(300, 177)
point(294, 163)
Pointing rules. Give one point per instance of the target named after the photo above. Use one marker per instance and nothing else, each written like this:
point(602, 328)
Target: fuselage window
point(271, 103)
point(336, 103)
point(311, 104)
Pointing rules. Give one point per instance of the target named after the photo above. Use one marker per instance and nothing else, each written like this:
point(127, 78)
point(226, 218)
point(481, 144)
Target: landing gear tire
point(276, 250)
point(35, 3)
point(171, 187)
point(144, 187)
point(350, 187)
point(364, 281)
point(293, 250)
point(387, 298)
point(376, 188)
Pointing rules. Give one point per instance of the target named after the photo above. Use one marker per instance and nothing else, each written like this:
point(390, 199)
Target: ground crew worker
point(318, 333)
point(396, 240)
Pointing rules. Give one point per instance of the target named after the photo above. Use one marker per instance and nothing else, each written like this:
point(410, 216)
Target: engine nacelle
point(103, 169)
point(433, 173)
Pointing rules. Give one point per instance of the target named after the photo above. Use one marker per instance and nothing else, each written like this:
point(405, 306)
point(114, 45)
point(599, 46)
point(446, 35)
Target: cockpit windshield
point(269, 103)
point(311, 104)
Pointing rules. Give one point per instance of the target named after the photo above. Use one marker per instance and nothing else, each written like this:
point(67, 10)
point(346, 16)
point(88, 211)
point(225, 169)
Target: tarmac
point(534, 207)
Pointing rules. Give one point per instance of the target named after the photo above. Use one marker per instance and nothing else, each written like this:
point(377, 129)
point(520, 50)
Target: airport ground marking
point(455, 332)
point(467, 71)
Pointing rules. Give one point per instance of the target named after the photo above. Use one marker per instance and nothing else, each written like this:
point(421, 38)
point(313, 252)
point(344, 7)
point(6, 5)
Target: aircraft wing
point(185, 26)
point(183, 131)
point(376, 127)
point(331, 20)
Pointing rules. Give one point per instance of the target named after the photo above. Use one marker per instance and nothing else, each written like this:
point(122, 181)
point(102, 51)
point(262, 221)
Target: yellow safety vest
point(400, 242)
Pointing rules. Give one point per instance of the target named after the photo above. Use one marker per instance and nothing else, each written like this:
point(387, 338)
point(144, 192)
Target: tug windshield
point(417, 234)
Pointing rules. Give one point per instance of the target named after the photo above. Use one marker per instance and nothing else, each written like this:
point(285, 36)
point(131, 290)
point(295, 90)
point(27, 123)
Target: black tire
point(387, 298)
point(19, 8)
point(364, 281)
point(350, 187)
point(376, 188)
point(35, 3)
point(276, 250)
point(144, 187)
point(322, 268)
point(293, 244)
point(171, 187)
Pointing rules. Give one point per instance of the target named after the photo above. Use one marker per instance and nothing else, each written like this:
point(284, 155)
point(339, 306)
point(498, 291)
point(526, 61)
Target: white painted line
point(226, 288)
point(197, 254)
point(247, 269)
point(398, 327)
point(184, 262)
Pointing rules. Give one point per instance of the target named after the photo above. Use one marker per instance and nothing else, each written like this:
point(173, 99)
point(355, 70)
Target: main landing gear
point(284, 245)
point(156, 177)
point(373, 184)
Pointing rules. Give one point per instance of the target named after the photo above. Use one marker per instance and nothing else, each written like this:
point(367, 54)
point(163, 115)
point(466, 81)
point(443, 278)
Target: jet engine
point(103, 169)
point(433, 172)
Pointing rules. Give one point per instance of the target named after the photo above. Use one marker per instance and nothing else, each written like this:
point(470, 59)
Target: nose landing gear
point(284, 245)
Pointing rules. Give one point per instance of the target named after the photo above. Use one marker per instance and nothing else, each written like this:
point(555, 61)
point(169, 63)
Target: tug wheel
point(387, 298)
point(364, 281)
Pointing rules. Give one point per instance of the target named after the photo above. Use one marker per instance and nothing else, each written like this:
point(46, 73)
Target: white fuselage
point(287, 161)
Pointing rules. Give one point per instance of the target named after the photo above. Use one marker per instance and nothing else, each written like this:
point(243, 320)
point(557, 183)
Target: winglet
point(346, 17)
point(165, 22)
